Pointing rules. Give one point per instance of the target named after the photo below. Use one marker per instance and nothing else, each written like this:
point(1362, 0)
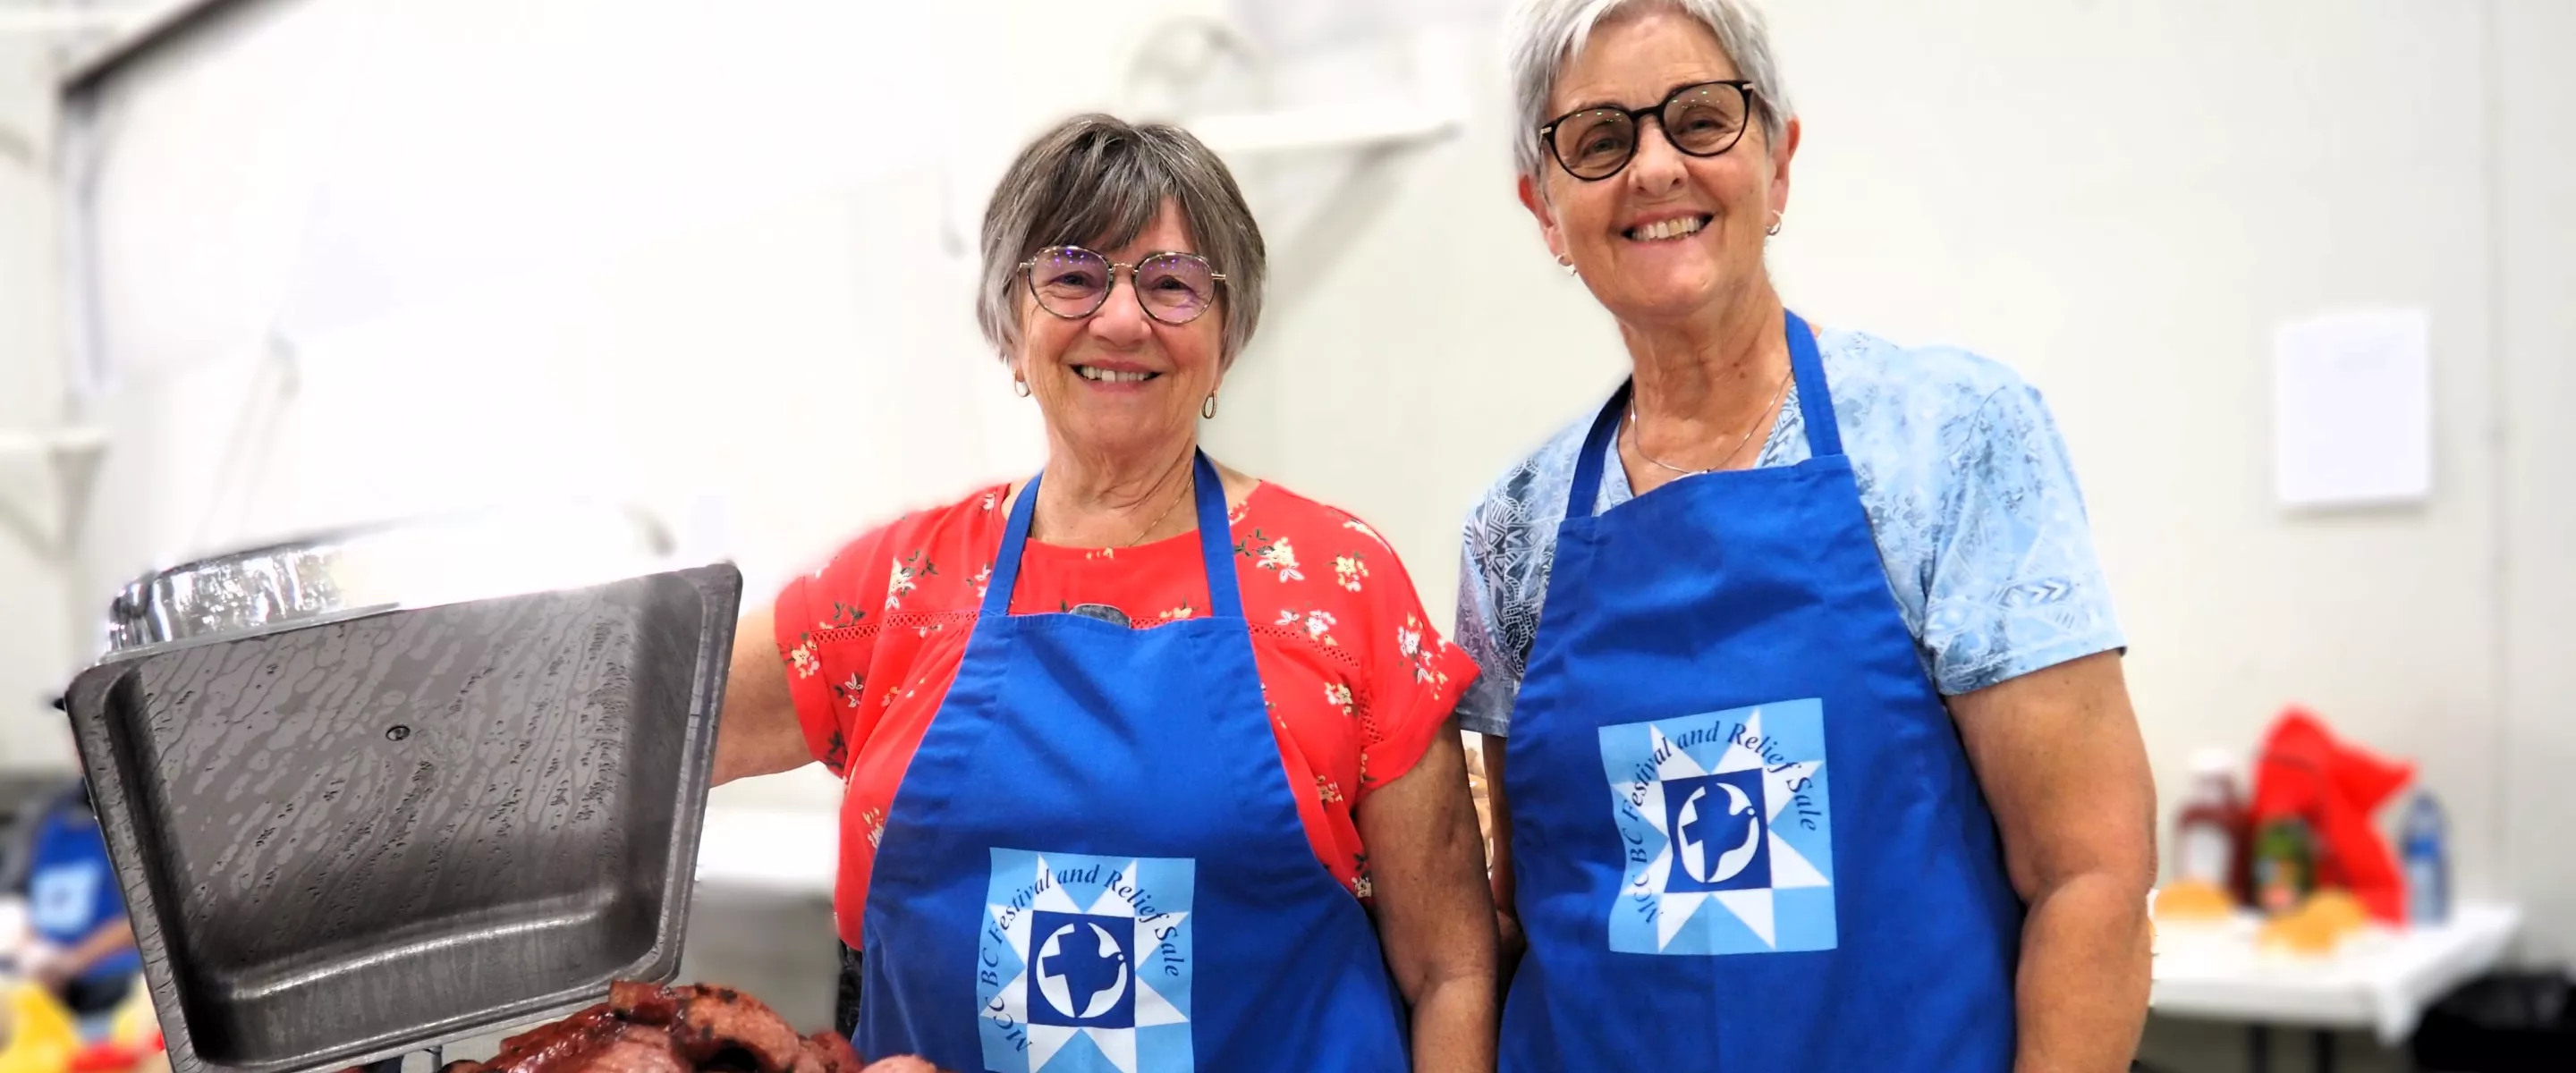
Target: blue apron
point(1097, 821)
point(1746, 834)
point(72, 889)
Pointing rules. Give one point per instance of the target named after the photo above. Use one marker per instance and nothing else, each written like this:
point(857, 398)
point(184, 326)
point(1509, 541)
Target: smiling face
point(1119, 384)
point(1670, 235)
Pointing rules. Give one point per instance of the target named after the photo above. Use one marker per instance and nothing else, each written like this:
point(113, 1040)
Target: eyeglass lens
point(1071, 281)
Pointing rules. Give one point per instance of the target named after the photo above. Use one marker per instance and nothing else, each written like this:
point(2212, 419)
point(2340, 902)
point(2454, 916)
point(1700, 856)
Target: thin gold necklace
point(1638, 432)
point(1186, 487)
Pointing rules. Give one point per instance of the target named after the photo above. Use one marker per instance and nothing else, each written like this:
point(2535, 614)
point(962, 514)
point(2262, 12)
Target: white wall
point(35, 649)
point(2120, 199)
point(2534, 207)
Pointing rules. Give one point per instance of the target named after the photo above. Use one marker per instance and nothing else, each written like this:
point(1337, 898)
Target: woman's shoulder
point(1936, 391)
point(917, 543)
point(938, 525)
point(1299, 555)
point(1333, 582)
point(1277, 506)
point(1529, 495)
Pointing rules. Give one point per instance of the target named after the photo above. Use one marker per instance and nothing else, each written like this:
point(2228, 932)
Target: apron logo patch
point(1084, 964)
point(1728, 832)
point(62, 899)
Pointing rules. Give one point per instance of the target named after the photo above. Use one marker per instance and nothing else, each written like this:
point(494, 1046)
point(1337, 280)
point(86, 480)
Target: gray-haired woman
point(1148, 764)
point(1816, 754)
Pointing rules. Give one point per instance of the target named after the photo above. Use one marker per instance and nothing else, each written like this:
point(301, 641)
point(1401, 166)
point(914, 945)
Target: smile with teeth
point(1114, 376)
point(1660, 230)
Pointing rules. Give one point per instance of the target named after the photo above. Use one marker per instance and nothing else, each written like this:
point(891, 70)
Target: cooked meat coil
point(649, 1028)
point(551, 1048)
point(832, 1053)
point(632, 1049)
point(643, 1003)
point(713, 1020)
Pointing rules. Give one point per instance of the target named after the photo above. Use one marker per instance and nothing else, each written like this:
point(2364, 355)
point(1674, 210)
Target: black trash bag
point(2501, 1023)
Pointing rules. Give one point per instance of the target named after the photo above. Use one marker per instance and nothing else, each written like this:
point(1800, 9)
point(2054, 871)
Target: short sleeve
point(1415, 677)
point(1485, 706)
point(825, 638)
point(2015, 585)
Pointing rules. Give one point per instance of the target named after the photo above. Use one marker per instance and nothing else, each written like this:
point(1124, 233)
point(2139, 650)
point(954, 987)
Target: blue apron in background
point(72, 889)
point(1094, 862)
point(1745, 832)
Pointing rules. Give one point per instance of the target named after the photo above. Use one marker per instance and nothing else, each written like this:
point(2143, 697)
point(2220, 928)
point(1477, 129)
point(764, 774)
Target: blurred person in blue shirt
point(79, 943)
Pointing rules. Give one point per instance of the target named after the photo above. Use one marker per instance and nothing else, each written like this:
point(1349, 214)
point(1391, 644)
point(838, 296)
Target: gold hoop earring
point(1019, 387)
point(1208, 409)
point(1774, 229)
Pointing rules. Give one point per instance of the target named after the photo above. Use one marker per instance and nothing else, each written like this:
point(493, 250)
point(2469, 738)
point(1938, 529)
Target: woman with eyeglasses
point(1148, 763)
point(1805, 731)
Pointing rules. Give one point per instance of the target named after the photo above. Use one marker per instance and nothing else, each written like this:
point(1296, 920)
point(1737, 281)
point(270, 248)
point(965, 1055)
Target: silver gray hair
point(1099, 181)
point(1545, 34)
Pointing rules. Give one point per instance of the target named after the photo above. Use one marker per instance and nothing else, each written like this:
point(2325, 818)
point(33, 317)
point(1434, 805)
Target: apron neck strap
point(1815, 403)
point(1815, 399)
point(1216, 545)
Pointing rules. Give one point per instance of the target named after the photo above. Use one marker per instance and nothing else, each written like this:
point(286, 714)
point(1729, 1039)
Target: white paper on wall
point(2353, 410)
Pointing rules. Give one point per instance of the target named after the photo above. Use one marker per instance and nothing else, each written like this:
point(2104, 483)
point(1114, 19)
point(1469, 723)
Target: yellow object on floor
point(40, 1034)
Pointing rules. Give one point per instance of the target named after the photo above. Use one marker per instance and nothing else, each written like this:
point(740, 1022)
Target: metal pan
point(348, 834)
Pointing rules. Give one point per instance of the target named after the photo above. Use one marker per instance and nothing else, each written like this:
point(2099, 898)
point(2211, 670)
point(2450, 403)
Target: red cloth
point(2303, 771)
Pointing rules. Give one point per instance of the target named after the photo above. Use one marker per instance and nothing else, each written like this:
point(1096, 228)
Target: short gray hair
point(1097, 180)
point(1545, 34)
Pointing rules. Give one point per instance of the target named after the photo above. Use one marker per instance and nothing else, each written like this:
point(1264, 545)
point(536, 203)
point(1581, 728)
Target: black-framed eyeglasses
point(1702, 119)
point(1072, 283)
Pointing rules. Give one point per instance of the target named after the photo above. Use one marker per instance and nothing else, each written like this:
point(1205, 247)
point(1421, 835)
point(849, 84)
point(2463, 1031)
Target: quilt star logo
point(1728, 830)
point(1084, 964)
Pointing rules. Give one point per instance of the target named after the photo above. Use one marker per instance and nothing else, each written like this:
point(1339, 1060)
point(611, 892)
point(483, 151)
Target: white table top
point(2380, 980)
point(788, 850)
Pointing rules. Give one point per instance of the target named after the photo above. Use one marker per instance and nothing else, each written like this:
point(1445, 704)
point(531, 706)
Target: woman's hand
point(1434, 915)
point(757, 733)
point(2065, 772)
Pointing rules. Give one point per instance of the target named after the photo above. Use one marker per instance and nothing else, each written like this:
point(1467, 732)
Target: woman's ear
point(1535, 199)
point(1780, 154)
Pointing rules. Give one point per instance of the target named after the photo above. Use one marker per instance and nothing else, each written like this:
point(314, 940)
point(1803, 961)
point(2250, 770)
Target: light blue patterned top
point(1966, 484)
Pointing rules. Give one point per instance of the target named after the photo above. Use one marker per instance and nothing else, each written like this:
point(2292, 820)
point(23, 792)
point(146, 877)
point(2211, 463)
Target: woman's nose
point(1657, 168)
point(1121, 318)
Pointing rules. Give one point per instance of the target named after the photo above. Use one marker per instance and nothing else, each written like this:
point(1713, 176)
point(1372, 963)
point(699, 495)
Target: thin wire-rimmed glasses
point(1702, 119)
point(1072, 282)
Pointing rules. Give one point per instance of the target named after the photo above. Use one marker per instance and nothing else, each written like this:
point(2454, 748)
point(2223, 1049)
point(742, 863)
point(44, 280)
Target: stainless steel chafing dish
point(395, 787)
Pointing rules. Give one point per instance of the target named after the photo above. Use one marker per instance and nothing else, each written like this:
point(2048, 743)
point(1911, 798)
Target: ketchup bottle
point(2213, 836)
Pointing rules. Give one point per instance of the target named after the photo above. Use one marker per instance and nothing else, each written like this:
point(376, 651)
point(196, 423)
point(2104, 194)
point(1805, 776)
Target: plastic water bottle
point(2427, 860)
